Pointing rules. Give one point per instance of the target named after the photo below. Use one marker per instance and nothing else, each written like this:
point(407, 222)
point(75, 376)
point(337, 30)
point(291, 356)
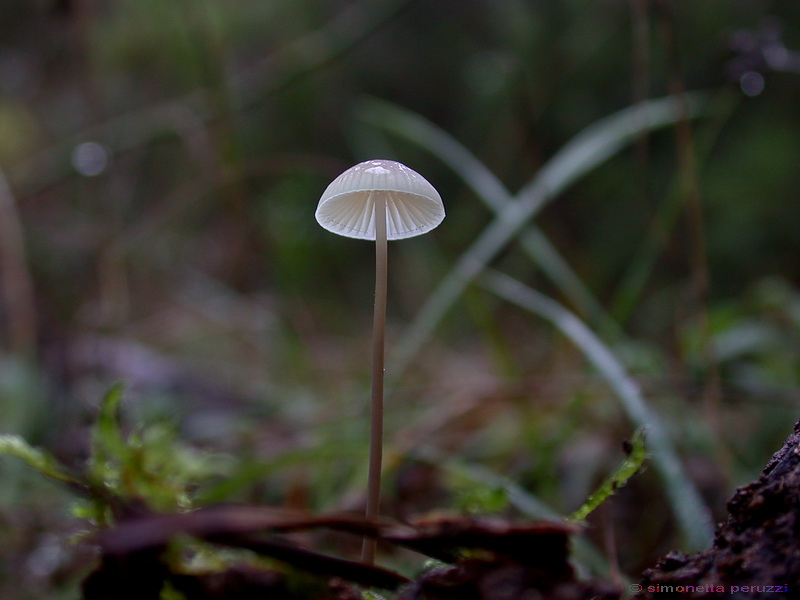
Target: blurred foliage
point(163, 162)
point(150, 466)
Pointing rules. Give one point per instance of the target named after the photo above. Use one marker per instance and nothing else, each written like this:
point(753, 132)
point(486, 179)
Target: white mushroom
point(379, 200)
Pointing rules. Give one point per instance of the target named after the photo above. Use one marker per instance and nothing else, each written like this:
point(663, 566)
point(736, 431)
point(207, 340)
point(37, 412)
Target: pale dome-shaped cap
point(347, 206)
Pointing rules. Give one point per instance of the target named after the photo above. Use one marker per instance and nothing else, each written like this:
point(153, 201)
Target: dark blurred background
point(160, 163)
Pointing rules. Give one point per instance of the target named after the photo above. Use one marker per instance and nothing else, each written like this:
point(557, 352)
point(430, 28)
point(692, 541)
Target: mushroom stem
point(378, 345)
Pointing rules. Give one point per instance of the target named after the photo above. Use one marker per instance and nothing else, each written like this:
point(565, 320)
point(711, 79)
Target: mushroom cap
point(347, 206)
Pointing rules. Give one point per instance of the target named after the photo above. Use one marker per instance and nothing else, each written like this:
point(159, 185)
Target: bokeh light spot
point(90, 159)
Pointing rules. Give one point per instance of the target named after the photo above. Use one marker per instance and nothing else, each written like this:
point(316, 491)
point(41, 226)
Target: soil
point(756, 552)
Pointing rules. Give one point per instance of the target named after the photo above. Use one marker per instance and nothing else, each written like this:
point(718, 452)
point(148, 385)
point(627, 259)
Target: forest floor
point(756, 552)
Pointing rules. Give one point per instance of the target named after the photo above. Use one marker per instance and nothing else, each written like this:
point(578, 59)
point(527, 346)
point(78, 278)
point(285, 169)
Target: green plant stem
point(632, 464)
point(378, 349)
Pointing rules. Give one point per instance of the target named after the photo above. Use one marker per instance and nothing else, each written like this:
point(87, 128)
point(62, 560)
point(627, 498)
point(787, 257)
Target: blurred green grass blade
point(108, 444)
point(600, 141)
point(537, 244)
point(588, 149)
point(488, 188)
point(629, 468)
point(691, 514)
point(45, 463)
